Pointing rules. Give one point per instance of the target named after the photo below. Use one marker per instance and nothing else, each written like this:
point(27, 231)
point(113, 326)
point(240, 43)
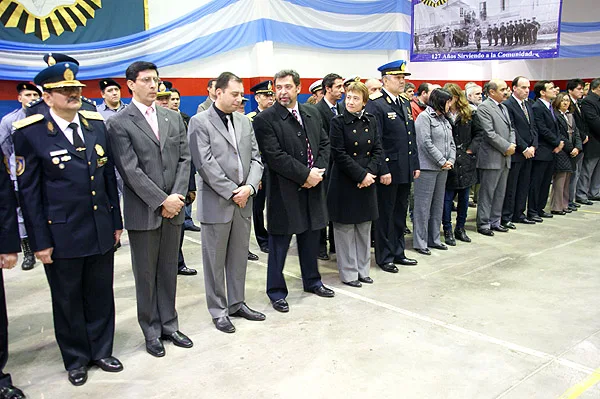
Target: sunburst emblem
point(44, 18)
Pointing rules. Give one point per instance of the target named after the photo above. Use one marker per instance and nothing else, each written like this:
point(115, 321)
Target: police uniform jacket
point(356, 150)
point(292, 209)
point(396, 128)
point(10, 242)
point(68, 197)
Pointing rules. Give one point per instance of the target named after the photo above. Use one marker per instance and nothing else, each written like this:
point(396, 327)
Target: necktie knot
point(74, 127)
point(334, 110)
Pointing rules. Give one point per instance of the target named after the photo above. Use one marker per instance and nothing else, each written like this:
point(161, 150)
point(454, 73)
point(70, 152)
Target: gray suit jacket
point(498, 135)
point(215, 156)
point(151, 170)
point(205, 105)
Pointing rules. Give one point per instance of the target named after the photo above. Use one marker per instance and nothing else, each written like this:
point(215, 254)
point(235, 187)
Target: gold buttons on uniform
point(89, 163)
point(366, 130)
point(410, 142)
point(354, 131)
point(93, 193)
point(355, 143)
point(387, 160)
point(95, 207)
point(354, 154)
point(368, 141)
point(92, 178)
point(410, 152)
point(409, 133)
point(407, 123)
point(368, 153)
point(49, 221)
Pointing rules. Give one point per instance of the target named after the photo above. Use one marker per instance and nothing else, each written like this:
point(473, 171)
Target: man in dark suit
point(328, 107)
point(590, 174)
point(296, 147)
point(10, 244)
point(68, 194)
point(153, 158)
point(549, 143)
point(264, 96)
point(493, 157)
point(517, 185)
point(399, 165)
point(575, 90)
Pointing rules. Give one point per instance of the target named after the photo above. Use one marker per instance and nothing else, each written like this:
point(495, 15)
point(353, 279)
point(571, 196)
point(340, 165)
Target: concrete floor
point(511, 316)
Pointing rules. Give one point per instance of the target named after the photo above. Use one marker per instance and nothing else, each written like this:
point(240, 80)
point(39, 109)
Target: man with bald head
point(493, 159)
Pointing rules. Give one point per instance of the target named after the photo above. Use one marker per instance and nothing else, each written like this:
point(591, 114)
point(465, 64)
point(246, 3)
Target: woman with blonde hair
point(467, 137)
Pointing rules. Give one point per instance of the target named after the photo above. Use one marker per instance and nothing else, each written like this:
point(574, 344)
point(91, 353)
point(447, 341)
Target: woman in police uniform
point(352, 199)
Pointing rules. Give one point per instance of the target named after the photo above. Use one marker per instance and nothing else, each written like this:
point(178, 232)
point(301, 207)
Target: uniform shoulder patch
point(30, 120)
point(251, 115)
point(94, 115)
point(375, 95)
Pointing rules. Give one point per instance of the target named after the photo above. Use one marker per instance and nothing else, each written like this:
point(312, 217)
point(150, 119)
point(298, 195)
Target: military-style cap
point(104, 83)
point(316, 86)
point(265, 87)
point(351, 79)
point(28, 86)
point(164, 89)
point(55, 58)
point(58, 75)
point(394, 68)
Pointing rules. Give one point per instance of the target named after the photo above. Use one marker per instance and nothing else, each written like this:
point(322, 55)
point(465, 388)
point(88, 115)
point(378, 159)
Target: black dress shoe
point(461, 234)
point(567, 210)
point(78, 376)
point(575, 204)
point(557, 213)
point(441, 247)
point(423, 251)
point(224, 324)
point(366, 280)
point(536, 219)
point(186, 271)
point(179, 339)
point(155, 348)
point(110, 364)
point(525, 221)
point(248, 314)
point(389, 267)
point(252, 256)
point(449, 238)
point(594, 198)
point(192, 227)
point(545, 214)
point(265, 249)
point(472, 204)
point(573, 208)
point(486, 232)
point(11, 392)
point(323, 256)
point(405, 261)
point(500, 228)
point(407, 231)
point(322, 291)
point(354, 283)
point(509, 225)
point(281, 305)
point(584, 201)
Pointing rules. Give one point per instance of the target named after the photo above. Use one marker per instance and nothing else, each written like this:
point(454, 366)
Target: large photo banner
point(476, 30)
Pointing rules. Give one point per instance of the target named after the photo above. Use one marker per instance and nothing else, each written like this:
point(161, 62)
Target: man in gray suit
point(493, 158)
point(226, 155)
point(211, 97)
point(153, 158)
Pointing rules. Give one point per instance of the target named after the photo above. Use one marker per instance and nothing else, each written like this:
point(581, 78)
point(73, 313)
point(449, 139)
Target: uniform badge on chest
point(392, 115)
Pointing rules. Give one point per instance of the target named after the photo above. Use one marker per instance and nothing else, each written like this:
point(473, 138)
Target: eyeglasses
point(146, 80)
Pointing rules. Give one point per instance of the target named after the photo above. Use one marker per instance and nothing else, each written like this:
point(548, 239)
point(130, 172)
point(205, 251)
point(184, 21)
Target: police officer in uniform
point(28, 92)
point(9, 246)
point(264, 96)
point(111, 93)
point(68, 194)
point(400, 164)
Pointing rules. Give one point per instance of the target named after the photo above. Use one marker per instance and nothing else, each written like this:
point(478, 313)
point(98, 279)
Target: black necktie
point(77, 141)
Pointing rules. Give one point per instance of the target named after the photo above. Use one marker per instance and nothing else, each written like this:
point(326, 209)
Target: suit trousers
point(491, 197)
point(589, 180)
point(430, 189)
point(308, 250)
point(5, 379)
point(180, 259)
point(83, 307)
point(560, 191)
point(392, 202)
point(154, 261)
point(575, 177)
point(541, 178)
point(258, 213)
point(354, 250)
point(225, 260)
point(517, 189)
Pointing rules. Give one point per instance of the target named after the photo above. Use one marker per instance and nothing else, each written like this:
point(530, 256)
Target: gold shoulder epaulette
point(92, 115)
point(28, 121)
point(251, 115)
point(375, 95)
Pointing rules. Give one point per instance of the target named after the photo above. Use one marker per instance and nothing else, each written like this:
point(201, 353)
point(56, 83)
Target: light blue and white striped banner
point(579, 39)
